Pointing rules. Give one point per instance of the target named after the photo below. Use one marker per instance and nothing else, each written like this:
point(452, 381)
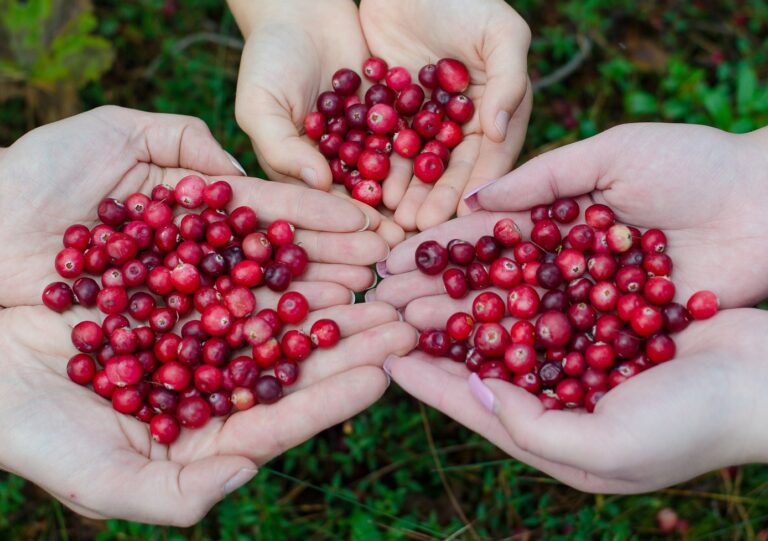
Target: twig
point(564, 71)
point(451, 496)
point(189, 41)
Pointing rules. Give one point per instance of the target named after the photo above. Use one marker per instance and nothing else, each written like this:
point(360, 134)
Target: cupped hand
point(492, 40)
point(56, 176)
point(701, 411)
point(104, 464)
point(707, 189)
point(291, 51)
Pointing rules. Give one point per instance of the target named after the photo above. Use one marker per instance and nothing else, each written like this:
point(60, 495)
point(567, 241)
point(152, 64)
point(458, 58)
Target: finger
point(441, 202)
point(356, 278)
point(400, 289)
point(394, 187)
point(568, 171)
point(505, 53)
point(174, 141)
point(432, 312)
point(266, 431)
point(415, 195)
point(360, 248)
point(165, 492)
point(319, 295)
point(496, 159)
point(369, 347)
point(434, 382)
point(352, 319)
point(276, 138)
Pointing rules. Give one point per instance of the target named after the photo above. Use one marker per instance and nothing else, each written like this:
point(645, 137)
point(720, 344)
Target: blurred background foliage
point(400, 470)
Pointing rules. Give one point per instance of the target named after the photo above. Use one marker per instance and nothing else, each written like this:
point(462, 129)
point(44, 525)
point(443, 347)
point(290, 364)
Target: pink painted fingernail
point(381, 268)
point(482, 393)
point(471, 198)
point(389, 363)
point(370, 295)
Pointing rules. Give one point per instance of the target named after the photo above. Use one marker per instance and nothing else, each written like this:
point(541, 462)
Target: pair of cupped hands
point(706, 409)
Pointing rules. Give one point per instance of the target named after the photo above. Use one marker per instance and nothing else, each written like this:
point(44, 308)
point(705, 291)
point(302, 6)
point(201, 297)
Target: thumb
point(504, 51)
point(276, 138)
point(567, 171)
point(170, 140)
point(165, 492)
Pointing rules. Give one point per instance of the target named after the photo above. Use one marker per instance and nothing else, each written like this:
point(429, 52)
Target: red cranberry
point(58, 296)
point(434, 342)
point(520, 358)
point(659, 290)
point(325, 333)
point(530, 382)
point(449, 135)
point(626, 345)
point(440, 96)
point(256, 247)
point(553, 330)
point(243, 398)
point(474, 360)
point(314, 125)
point(546, 234)
point(112, 300)
point(220, 402)
point(330, 104)
point(452, 75)
point(247, 273)
point(268, 389)
point(126, 399)
point(461, 252)
point(296, 345)
point(549, 400)
point(507, 232)
point(374, 69)
point(574, 364)
point(428, 76)
point(622, 373)
point(646, 320)
point(292, 307)
point(578, 290)
point(582, 316)
point(428, 167)
point(70, 263)
point(460, 108)
point(193, 412)
point(495, 370)
point(564, 210)
point(653, 241)
point(459, 326)
point(81, 369)
point(581, 237)
point(456, 283)
point(215, 351)
point(287, 372)
point(457, 352)
point(189, 191)
point(123, 370)
point(523, 302)
point(345, 82)
point(676, 317)
point(604, 296)
point(488, 307)
point(478, 276)
point(379, 93)
point(619, 238)
point(162, 400)
point(527, 252)
point(491, 340)
point(216, 320)
point(368, 191)
point(431, 257)
point(505, 273)
point(162, 320)
point(112, 212)
point(549, 276)
point(572, 264)
point(407, 143)
point(539, 213)
point(487, 249)
point(427, 124)
point(164, 428)
point(703, 305)
point(627, 305)
point(660, 348)
point(633, 256)
point(123, 341)
point(357, 119)
point(381, 118)
point(571, 392)
point(277, 277)
point(599, 217)
point(523, 332)
point(657, 264)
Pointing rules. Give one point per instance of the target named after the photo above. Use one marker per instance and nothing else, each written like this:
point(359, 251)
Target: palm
point(693, 423)
point(418, 33)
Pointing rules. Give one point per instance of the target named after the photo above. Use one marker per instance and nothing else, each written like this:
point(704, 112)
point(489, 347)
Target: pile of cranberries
point(357, 137)
point(159, 270)
point(591, 309)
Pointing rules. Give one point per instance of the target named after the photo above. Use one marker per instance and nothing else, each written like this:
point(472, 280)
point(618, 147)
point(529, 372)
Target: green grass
point(378, 475)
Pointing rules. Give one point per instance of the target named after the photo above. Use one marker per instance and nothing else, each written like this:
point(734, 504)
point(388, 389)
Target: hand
point(706, 188)
point(56, 179)
point(701, 411)
point(492, 40)
point(114, 470)
point(104, 464)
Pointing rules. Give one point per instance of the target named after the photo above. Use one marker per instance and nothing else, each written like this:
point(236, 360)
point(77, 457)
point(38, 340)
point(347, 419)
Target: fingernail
point(381, 268)
point(367, 223)
point(236, 163)
point(370, 295)
point(354, 298)
point(502, 121)
point(309, 175)
point(400, 315)
point(388, 364)
point(482, 393)
point(239, 479)
point(471, 198)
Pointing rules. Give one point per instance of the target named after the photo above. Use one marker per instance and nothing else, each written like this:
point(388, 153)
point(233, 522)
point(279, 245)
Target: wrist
point(250, 14)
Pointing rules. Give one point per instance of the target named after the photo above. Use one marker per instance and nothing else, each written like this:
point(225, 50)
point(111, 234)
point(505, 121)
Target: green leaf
point(746, 88)
point(641, 103)
point(717, 104)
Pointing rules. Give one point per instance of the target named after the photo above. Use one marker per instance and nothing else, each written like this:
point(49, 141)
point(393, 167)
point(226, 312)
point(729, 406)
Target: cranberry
point(256, 247)
point(163, 319)
point(646, 320)
point(58, 296)
point(427, 124)
point(112, 212)
point(452, 75)
point(507, 232)
point(70, 263)
point(277, 277)
point(473, 360)
point(478, 276)
point(495, 370)
point(676, 317)
point(574, 364)
point(633, 256)
point(221, 403)
point(520, 358)
point(657, 264)
point(488, 307)
point(123, 370)
point(591, 399)
point(166, 237)
point(123, 341)
point(627, 305)
point(626, 345)
point(487, 249)
point(599, 217)
point(582, 316)
point(458, 352)
point(296, 345)
point(407, 143)
point(449, 135)
point(345, 82)
point(459, 326)
point(325, 333)
point(434, 342)
point(659, 290)
point(660, 348)
point(240, 302)
point(287, 372)
point(571, 392)
point(440, 96)
point(551, 373)
point(431, 257)
point(604, 296)
point(357, 118)
point(243, 398)
point(527, 252)
point(368, 191)
point(81, 369)
point(549, 276)
point(595, 379)
point(460, 108)
point(243, 221)
point(530, 382)
point(546, 234)
point(164, 428)
point(193, 412)
point(456, 283)
point(703, 305)
point(549, 400)
point(330, 104)
point(553, 330)
point(523, 302)
point(539, 213)
point(622, 373)
point(578, 290)
point(523, 332)
point(428, 167)
point(248, 273)
point(505, 273)
point(112, 300)
point(268, 389)
point(653, 241)
point(461, 252)
point(491, 340)
point(162, 400)
point(374, 69)
point(619, 238)
point(379, 93)
point(126, 399)
point(292, 307)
